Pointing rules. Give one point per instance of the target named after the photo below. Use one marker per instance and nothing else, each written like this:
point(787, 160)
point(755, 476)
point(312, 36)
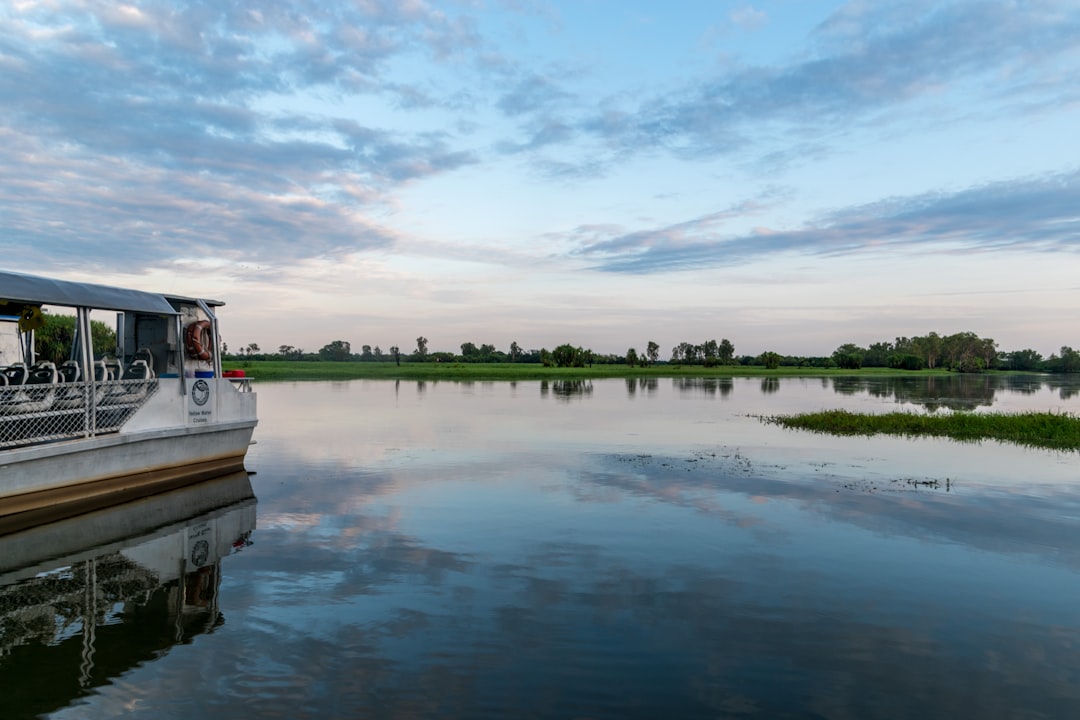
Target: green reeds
point(1054, 431)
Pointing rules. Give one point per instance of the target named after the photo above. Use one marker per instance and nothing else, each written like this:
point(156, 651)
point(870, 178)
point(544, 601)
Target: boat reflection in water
point(91, 597)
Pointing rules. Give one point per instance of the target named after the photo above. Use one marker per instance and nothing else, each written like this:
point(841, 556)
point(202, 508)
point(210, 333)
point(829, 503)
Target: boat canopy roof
point(35, 290)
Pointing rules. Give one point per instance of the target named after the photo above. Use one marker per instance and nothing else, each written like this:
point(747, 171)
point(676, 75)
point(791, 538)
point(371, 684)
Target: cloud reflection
point(631, 575)
point(946, 509)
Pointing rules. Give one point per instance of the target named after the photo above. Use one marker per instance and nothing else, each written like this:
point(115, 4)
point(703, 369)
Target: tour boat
point(83, 426)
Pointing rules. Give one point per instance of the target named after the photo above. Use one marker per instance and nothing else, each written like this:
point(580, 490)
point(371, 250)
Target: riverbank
point(1053, 431)
point(276, 370)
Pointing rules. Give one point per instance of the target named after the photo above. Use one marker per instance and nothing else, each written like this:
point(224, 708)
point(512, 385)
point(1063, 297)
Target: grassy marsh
point(1054, 431)
point(271, 370)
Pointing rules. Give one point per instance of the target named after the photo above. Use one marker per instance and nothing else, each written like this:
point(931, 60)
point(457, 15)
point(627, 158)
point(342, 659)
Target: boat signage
point(199, 407)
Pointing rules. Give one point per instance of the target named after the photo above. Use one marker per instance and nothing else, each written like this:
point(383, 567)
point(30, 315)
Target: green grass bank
point(1053, 431)
point(278, 370)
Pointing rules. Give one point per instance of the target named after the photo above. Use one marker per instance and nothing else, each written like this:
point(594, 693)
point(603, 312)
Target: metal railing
point(242, 384)
point(32, 414)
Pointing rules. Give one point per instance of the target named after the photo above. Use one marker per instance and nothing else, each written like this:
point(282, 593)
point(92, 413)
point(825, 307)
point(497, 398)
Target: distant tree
point(692, 354)
point(769, 359)
point(849, 356)
point(365, 353)
point(1070, 360)
point(631, 357)
point(726, 352)
point(546, 358)
point(710, 353)
point(929, 348)
point(905, 361)
point(421, 347)
point(970, 364)
point(285, 351)
point(468, 350)
point(1026, 359)
point(849, 361)
point(486, 351)
point(377, 352)
point(567, 355)
point(252, 349)
point(396, 352)
point(987, 351)
point(877, 355)
point(963, 352)
point(515, 351)
point(904, 345)
point(53, 340)
point(652, 351)
point(338, 350)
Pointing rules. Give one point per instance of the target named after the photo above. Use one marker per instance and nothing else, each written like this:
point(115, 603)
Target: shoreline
point(287, 370)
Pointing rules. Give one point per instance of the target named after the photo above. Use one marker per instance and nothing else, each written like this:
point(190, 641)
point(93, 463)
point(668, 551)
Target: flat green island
point(1053, 431)
point(287, 370)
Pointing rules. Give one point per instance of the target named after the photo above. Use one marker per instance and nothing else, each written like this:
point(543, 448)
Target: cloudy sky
point(788, 174)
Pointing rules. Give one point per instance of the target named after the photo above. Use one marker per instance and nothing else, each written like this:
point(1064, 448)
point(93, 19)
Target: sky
point(791, 175)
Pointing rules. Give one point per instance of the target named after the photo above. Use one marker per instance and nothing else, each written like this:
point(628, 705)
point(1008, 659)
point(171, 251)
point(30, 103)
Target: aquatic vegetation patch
point(1055, 431)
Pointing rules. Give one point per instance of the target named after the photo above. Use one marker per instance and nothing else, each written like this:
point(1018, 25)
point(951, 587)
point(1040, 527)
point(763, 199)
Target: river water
point(604, 549)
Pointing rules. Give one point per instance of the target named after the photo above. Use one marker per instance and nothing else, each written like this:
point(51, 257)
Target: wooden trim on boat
point(19, 512)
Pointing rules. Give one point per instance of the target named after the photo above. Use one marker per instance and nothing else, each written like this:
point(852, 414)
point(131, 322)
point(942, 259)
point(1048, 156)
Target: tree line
point(961, 352)
point(708, 353)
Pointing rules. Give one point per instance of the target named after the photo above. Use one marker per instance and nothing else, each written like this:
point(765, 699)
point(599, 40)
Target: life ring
point(198, 341)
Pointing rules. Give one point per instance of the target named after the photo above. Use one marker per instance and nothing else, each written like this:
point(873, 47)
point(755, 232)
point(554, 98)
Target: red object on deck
point(232, 373)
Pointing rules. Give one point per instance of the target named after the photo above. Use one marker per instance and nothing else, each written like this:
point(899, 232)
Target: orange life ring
point(198, 341)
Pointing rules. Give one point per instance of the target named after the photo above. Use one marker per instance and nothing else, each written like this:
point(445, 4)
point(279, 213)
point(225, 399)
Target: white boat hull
point(168, 442)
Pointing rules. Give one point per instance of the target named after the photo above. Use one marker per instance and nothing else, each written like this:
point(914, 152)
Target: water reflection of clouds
point(665, 484)
point(318, 429)
point(340, 504)
point(574, 629)
point(1016, 522)
point(703, 617)
point(374, 561)
point(515, 558)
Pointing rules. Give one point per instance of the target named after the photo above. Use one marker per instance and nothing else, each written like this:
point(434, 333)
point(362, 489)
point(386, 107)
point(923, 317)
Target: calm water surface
point(605, 549)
